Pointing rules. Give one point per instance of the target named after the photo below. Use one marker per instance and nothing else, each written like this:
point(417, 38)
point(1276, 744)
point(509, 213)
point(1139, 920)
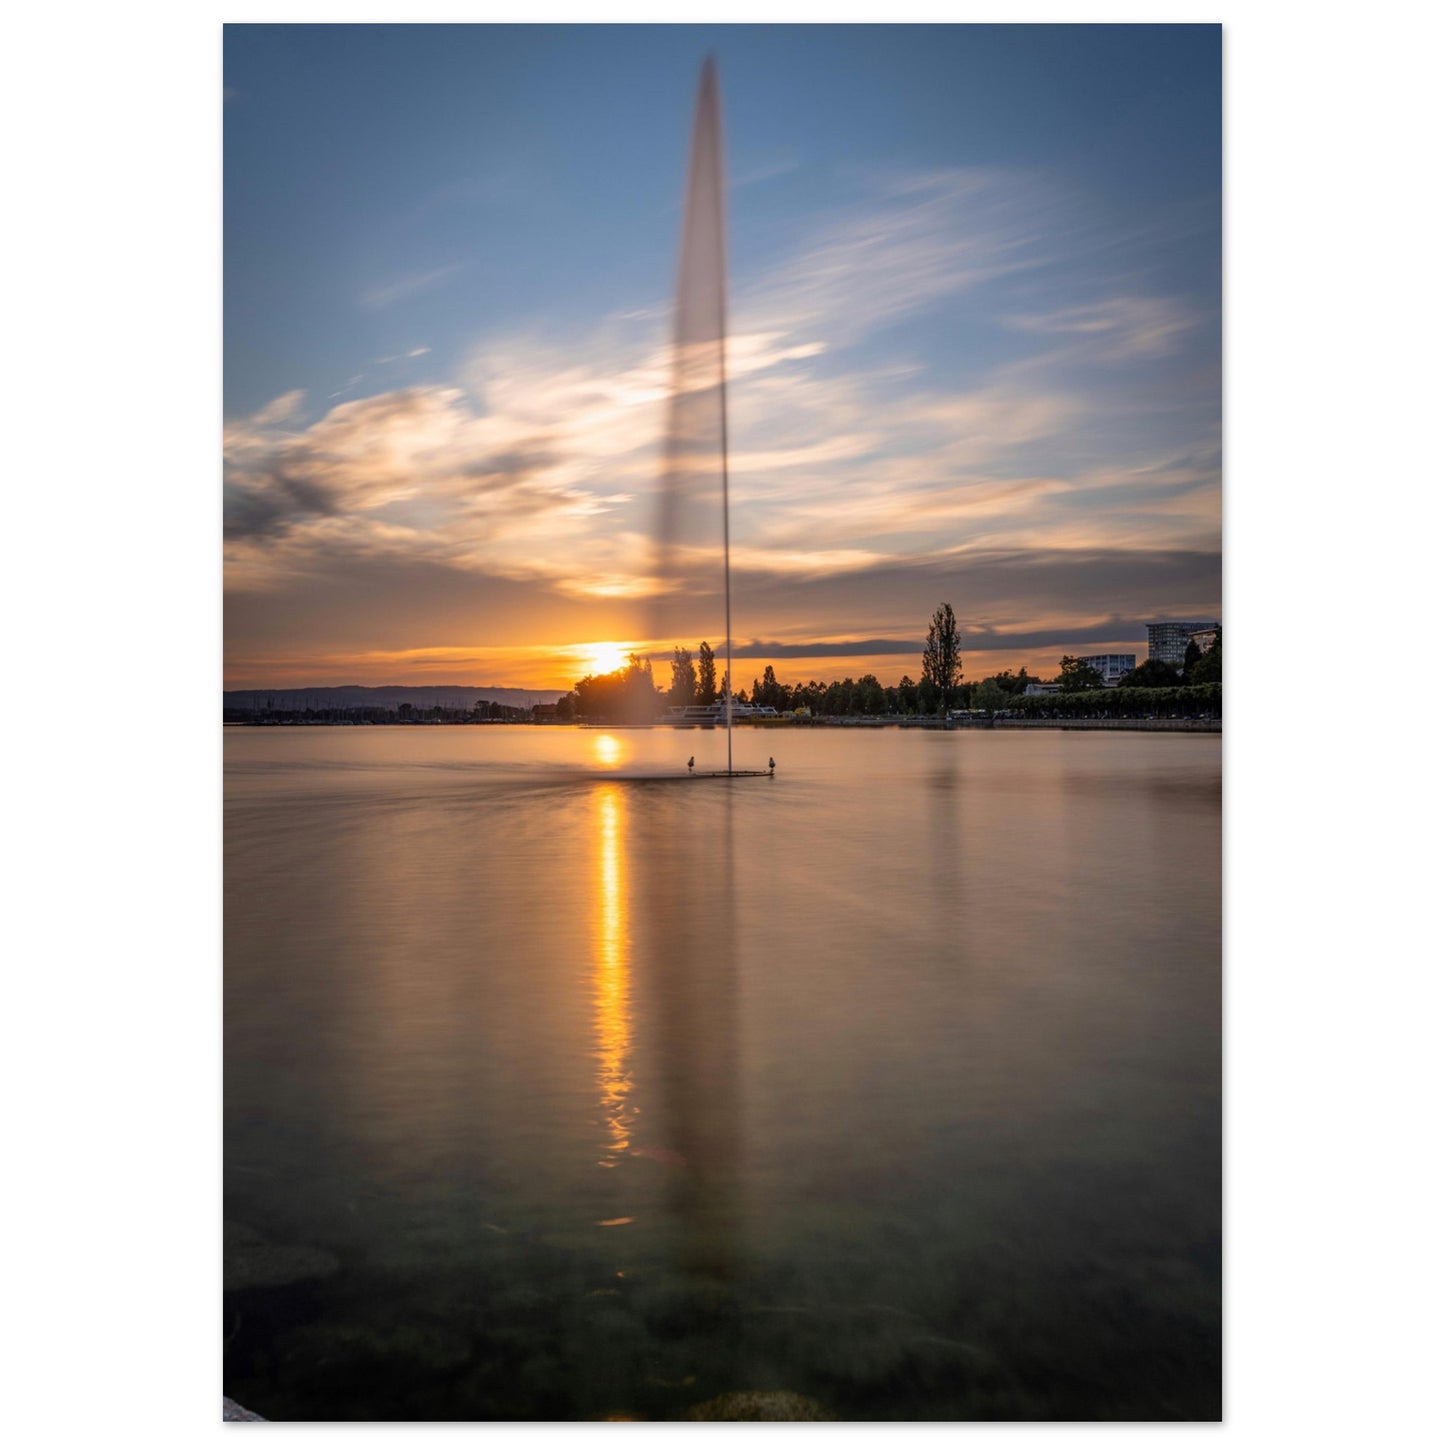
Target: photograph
point(722, 727)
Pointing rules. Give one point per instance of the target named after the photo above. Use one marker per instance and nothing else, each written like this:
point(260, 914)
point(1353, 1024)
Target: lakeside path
point(1068, 724)
point(1116, 724)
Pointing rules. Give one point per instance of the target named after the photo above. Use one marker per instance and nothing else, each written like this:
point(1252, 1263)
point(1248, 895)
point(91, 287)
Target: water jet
point(695, 450)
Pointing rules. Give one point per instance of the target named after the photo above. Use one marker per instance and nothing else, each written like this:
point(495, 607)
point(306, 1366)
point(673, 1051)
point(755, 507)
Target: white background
point(112, 675)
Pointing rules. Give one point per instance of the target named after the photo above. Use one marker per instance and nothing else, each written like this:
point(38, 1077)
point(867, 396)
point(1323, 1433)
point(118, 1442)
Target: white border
point(112, 590)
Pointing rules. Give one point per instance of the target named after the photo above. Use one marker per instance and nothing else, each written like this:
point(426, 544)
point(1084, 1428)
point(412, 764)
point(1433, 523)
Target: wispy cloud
point(760, 171)
point(388, 294)
point(918, 239)
point(1124, 328)
point(402, 356)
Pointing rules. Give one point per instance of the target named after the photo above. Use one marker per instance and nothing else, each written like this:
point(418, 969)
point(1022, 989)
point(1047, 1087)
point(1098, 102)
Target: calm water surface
point(555, 1092)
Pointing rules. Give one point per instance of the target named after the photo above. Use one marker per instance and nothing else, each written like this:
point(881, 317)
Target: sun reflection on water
point(606, 749)
point(610, 977)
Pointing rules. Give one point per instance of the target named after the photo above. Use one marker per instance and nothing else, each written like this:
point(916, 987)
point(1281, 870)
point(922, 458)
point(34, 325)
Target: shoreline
point(1064, 724)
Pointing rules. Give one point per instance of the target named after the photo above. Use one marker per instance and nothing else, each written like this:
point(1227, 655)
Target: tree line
point(631, 693)
point(1199, 700)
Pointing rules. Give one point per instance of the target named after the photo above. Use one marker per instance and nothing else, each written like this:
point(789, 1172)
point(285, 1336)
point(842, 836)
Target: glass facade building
point(1168, 640)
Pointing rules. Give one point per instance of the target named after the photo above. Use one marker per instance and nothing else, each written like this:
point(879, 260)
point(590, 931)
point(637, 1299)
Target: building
point(1205, 638)
point(1042, 689)
point(1168, 641)
point(1111, 666)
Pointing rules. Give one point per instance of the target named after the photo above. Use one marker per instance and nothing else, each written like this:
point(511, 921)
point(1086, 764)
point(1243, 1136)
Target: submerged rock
point(251, 1261)
point(415, 1347)
point(760, 1405)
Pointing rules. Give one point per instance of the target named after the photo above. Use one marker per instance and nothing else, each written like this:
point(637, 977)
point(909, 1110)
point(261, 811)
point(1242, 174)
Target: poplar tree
point(942, 657)
point(706, 676)
point(684, 678)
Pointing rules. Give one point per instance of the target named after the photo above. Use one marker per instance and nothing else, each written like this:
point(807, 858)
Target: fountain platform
point(692, 777)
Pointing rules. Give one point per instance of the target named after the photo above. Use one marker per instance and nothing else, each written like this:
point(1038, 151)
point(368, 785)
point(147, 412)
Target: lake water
point(556, 1092)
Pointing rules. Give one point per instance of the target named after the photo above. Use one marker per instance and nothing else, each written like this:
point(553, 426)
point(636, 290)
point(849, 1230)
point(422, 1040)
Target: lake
point(557, 1089)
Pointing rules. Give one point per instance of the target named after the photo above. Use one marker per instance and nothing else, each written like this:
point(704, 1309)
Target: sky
point(974, 352)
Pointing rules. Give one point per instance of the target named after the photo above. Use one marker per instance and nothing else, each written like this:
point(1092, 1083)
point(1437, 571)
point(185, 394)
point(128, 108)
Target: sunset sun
point(604, 657)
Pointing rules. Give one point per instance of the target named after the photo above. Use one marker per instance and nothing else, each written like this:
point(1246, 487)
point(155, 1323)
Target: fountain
point(695, 451)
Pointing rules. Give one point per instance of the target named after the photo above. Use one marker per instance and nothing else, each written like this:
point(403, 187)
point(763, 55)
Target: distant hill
point(320, 698)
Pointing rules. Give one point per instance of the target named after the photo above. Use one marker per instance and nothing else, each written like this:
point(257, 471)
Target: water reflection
point(693, 951)
point(612, 1003)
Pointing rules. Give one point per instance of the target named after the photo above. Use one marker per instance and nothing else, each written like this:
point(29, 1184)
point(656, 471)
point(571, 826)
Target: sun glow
point(604, 657)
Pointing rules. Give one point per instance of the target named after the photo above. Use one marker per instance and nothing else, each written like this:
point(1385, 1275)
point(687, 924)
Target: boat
point(710, 715)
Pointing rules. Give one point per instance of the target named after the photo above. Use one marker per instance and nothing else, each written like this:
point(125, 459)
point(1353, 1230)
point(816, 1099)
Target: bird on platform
point(690, 762)
point(771, 765)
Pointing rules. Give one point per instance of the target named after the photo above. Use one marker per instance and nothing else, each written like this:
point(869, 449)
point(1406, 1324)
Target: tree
point(684, 678)
point(838, 698)
point(627, 695)
point(869, 699)
point(1077, 676)
point(989, 696)
point(942, 657)
point(1210, 667)
point(770, 692)
point(706, 676)
point(1153, 672)
point(1192, 654)
point(810, 696)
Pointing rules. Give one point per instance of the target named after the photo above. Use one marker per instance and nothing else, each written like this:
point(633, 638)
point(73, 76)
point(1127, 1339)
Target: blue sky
point(975, 279)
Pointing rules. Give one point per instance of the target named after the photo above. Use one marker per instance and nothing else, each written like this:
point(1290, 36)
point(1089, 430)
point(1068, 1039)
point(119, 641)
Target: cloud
point(1124, 328)
point(867, 485)
point(768, 170)
point(973, 639)
point(559, 447)
point(414, 471)
point(282, 409)
point(853, 647)
point(919, 239)
point(401, 356)
point(377, 298)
